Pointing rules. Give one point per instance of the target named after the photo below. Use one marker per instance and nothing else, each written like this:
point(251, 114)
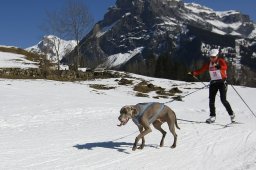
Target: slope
point(65, 125)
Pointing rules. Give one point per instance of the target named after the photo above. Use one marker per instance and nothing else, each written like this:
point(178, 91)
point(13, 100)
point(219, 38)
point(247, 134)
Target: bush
point(141, 95)
point(124, 81)
point(100, 87)
point(144, 87)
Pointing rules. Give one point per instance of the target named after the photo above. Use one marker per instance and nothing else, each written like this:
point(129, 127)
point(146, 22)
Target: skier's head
point(214, 54)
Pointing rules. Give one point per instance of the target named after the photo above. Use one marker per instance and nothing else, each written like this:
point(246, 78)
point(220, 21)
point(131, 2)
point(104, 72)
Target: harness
point(143, 107)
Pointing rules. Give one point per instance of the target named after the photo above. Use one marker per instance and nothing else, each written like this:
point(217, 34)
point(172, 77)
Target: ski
point(224, 125)
point(232, 123)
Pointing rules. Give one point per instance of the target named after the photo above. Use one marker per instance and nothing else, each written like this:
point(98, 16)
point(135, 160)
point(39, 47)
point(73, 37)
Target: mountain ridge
point(184, 32)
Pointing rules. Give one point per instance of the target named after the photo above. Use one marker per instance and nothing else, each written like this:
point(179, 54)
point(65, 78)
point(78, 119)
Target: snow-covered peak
point(197, 8)
point(50, 45)
point(171, 0)
point(226, 13)
point(221, 22)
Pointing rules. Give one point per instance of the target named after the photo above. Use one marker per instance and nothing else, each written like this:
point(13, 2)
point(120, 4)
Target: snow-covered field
point(64, 125)
point(10, 60)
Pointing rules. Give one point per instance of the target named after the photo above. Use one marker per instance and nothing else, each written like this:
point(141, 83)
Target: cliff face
point(165, 38)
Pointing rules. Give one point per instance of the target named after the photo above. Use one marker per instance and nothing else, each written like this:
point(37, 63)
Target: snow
point(215, 30)
point(192, 17)
point(196, 8)
point(222, 25)
point(120, 58)
point(226, 13)
point(10, 60)
point(105, 30)
point(214, 18)
point(168, 21)
point(126, 14)
point(235, 33)
point(7, 46)
point(82, 69)
point(68, 125)
point(253, 33)
point(51, 42)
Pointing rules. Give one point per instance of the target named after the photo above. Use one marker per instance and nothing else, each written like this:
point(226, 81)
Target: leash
point(206, 86)
point(125, 136)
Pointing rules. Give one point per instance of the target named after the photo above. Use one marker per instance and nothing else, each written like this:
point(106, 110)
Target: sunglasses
point(213, 57)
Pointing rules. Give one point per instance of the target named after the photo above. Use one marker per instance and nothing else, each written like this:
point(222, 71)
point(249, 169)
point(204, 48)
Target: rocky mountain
point(49, 47)
point(166, 38)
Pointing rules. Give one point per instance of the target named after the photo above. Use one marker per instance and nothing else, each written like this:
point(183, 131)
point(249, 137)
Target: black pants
point(221, 86)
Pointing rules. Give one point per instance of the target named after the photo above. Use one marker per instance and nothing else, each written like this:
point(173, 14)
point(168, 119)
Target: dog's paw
point(141, 147)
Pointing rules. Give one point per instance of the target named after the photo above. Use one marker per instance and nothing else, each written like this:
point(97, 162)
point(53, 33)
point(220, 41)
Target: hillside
point(13, 57)
point(16, 63)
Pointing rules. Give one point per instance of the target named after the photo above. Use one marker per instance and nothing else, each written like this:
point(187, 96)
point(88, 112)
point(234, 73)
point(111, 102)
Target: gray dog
point(143, 114)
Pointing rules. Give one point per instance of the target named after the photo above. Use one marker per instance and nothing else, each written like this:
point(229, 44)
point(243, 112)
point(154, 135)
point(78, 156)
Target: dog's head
point(126, 113)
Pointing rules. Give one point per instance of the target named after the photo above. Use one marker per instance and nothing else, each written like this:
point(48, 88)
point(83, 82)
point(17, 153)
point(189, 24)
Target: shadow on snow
point(119, 146)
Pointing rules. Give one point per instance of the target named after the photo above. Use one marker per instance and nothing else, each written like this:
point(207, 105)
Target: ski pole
point(197, 79)
point(243, 100)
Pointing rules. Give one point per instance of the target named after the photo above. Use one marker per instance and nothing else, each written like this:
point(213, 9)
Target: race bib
point(215, 75)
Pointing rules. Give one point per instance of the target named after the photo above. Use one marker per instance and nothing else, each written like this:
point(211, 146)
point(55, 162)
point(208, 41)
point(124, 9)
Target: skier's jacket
point(216, 73)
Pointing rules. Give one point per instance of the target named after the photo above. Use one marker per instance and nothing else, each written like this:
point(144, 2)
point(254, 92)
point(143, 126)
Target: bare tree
point(76, 21)
point(71, 22)
point(54, 26)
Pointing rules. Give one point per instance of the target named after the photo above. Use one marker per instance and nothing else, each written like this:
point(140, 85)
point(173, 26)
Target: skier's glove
point(217, 66)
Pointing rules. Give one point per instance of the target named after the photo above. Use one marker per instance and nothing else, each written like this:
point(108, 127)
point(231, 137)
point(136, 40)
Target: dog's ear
point(123, 110)
point(134, 111)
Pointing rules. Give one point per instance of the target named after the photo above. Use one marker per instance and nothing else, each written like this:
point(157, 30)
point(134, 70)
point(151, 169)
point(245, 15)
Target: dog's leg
point(147, 130)
point(143, 139)
point(171, 124)
point(157, 124)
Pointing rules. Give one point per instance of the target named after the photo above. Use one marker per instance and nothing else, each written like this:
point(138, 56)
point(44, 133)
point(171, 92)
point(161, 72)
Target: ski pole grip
point(190, 73)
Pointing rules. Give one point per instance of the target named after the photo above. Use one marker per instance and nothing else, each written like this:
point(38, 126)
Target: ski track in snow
point(63, 125)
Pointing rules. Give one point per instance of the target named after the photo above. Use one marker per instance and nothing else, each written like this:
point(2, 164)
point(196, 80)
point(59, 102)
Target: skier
point(217, 68)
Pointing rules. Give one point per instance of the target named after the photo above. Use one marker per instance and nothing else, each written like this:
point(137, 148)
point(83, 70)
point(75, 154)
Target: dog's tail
point(176, 123)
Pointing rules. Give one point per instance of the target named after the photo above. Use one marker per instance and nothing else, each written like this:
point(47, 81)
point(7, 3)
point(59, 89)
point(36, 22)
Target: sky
point(21, 21)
